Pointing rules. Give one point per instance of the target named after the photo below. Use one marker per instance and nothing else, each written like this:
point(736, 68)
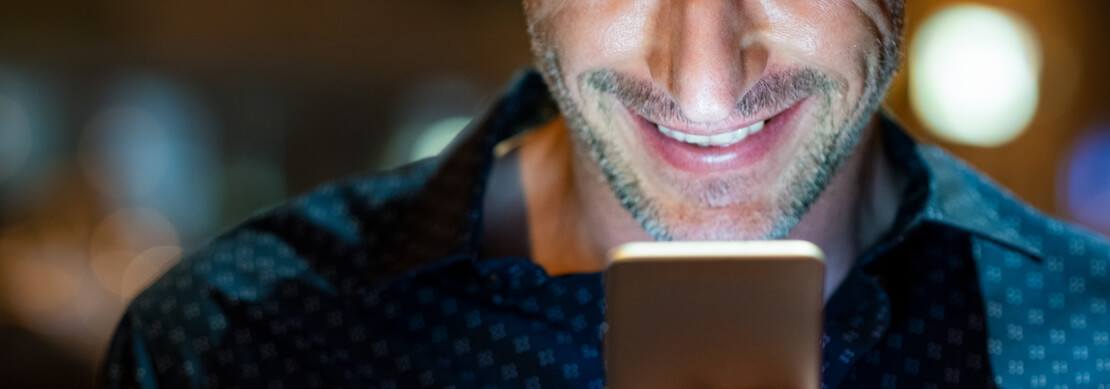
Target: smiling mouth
point(723, 135)
point(736, 145)
point(724, 139)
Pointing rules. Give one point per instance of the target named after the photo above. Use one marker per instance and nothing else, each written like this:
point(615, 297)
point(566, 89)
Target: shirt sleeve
point(128, 363)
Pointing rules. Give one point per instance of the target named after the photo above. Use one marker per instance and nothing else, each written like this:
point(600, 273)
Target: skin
point(588, 184)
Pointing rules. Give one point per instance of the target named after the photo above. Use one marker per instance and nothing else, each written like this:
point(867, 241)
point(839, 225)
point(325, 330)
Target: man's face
point(716, 119)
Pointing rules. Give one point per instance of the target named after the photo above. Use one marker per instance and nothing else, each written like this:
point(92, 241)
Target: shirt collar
point(945, 191)
point(962, 198)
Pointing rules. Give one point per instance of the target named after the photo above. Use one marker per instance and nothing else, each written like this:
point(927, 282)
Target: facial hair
point(807, 177)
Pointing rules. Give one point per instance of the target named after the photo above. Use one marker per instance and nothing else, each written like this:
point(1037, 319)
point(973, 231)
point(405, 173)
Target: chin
point(725, 231)
point(747, 221)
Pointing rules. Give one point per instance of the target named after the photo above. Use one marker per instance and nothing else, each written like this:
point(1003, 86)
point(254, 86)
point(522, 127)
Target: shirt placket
point(856, 319)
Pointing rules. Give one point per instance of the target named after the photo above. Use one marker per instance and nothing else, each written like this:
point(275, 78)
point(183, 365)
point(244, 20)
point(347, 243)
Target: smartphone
point(714, 315)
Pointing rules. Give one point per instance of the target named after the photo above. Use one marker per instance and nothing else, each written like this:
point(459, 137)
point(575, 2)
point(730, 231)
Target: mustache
point(774, 91)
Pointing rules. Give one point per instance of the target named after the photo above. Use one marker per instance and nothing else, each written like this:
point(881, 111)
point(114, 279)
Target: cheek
point(822, 32)
point(839, 37)
point(595, 34)
point(623, 32)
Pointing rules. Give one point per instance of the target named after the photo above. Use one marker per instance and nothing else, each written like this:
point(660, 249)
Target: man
point(667, 120)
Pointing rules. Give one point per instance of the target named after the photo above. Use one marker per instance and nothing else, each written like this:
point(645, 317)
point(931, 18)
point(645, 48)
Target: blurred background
point(131, 131)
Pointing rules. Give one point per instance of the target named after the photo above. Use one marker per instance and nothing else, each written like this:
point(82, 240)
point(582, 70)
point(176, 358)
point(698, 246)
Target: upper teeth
point(718, 140)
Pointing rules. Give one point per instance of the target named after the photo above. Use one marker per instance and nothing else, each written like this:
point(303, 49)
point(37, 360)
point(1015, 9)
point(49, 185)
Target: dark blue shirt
point(378, 282)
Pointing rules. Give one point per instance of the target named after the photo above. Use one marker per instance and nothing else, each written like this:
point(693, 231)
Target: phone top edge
point(715, 250)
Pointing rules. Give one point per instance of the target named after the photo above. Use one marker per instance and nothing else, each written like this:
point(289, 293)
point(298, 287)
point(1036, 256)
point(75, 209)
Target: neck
point(573, 219)
point(860, 202)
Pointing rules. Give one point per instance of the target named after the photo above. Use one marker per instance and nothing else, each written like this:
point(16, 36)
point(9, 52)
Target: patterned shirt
point(378, 282)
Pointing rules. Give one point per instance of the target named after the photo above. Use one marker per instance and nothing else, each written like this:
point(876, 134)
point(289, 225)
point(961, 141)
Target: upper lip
point(721, 127)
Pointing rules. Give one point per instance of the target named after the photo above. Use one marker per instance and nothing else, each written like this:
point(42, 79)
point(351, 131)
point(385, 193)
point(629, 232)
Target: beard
point(728, 207)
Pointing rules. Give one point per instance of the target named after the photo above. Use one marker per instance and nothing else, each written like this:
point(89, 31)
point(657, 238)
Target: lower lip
point(697, 159)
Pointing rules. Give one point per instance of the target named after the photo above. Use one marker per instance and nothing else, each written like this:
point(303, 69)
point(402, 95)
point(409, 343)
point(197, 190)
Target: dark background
point(132, 130)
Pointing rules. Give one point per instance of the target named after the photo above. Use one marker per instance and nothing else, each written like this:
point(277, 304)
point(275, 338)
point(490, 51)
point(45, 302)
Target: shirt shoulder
point(967, 199)
point(329, 240)
point(352, 238)
point(312, 238)
point(1044, 282)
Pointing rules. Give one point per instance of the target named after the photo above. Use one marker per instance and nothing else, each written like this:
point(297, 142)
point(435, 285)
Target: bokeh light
point(437, 136)
point(1086, 181)
point(121, 239)
point(149, 147)
point(29, 135)
point(974, 73)
point(15, 137)
point(430, 113)
point(41, 284)
point(147, 267)
point(131, 231)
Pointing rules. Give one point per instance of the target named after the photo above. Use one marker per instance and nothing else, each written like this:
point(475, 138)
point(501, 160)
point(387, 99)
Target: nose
point(703, 56)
